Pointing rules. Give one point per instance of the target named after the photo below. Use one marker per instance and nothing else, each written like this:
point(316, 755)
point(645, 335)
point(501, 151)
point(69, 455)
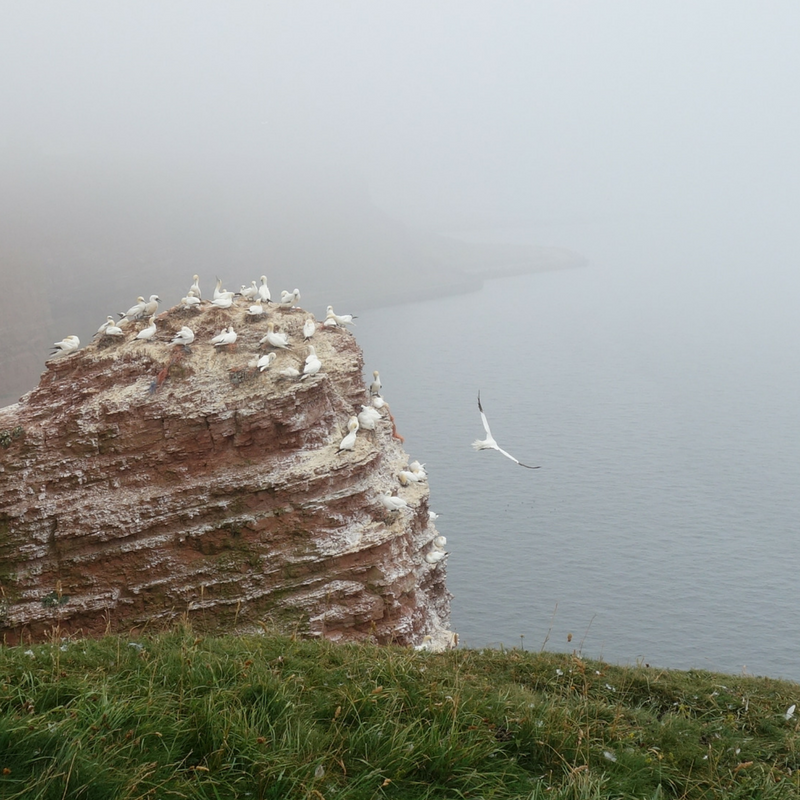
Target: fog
point(337, 146)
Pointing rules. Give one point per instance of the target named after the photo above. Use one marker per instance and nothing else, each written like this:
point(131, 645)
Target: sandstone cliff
point(140, 482)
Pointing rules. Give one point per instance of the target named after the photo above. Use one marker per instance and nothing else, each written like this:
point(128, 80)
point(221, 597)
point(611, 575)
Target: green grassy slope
point(178, 716)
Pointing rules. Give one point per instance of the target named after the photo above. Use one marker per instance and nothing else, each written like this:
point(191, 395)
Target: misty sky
point(450, 113)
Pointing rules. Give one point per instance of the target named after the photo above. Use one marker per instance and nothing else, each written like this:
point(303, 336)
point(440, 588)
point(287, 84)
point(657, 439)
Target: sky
point(236, 131)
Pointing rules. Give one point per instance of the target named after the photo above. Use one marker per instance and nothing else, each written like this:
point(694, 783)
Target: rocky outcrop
point(141, 482)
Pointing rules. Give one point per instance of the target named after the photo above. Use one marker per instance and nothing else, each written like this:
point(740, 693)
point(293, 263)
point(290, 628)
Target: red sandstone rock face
point(140, 483)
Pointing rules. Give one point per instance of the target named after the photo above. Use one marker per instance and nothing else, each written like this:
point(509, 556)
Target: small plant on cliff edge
point(8, 436)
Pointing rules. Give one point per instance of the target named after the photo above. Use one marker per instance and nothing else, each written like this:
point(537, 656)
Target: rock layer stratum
point(141, 483)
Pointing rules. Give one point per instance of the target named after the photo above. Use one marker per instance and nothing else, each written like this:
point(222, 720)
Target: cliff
point(141, 482)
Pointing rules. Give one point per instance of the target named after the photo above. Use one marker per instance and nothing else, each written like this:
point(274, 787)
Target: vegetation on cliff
point(177, 715)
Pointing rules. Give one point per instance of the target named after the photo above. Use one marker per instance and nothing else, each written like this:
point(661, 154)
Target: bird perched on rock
point(220, 292)
point(392, 503)
point(223, 301)
point(349, 441)
point(339, 319)
point(439, 542)
point(367, 417)
point(196, 287)
point(146, 334)
point(406, 477)
point(102, 328)
point(376, 385)
point(274, 338)
point(113, 330)
point(249, 292)
point(289, 372)
point(69, 344)
point(309, 328)
point(263, 290)
point(255, 310)
point(135, 312)
point(192, 300)
point(435, 556)
point(264, 362)
point(185, 336)
point(418, 470)
point(313, 365)
point(151, 306)
point(288, 299)
point(225, 337)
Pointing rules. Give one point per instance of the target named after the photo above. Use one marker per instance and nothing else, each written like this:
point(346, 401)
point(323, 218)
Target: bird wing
point(508, 455)
point(483, 418)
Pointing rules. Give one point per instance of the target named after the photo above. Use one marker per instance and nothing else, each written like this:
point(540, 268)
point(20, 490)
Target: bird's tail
point(477, 445)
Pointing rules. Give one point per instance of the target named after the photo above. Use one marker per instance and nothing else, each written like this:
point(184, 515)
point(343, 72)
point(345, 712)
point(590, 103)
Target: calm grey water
point(658, 388)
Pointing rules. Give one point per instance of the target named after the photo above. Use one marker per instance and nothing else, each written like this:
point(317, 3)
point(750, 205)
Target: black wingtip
point(480, 407)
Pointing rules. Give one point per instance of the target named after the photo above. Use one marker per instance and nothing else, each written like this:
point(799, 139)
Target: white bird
point(69, 344)
point(367, 417)
point(263, 290)
point(266, 360)
point(349, 441)
point(255, 310)
point(102, 328)
point(392, 503)
point(425, 645)
point(376, 385)
point(289, 372)
point(184, 336)
point(418, 470)
point(435, 556)
point(288, 299)
point(146, 334)
point(378, 402)
point(151, 306)
point(249, 292)
point(223, 301)
point(789, 712)
point(433, 516)
point(135, 312)
point(405, 477)
point(192, 300)
point(195, 290)
point(113, 330)
point(489, 443)
point(439, 542)
point(220, 292)
point(309, 328)
point(313, 365)
point(225, 337)
point(280, 340)
point(330, 322)
point(340, 319)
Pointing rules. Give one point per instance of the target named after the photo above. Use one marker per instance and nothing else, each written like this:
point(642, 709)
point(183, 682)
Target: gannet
point(418, 470)
point(433, 516)
point(376, 385)
point(426, 645)
point(102, 328)
point(289, 372)
point(313, 365)
point(392, 503)
point(196, 287)
point(339, 319)
point(435, 556)
point(379, 402)
point(263, 290)
point(149, 332)
point(255, 310)
point(266, 360)
point(225, 337)
point(280, 340)
point(288, 299)
point(192, 300)
point(405, 477)
point(135, 312)
point(249, 292)
point(489, 443)
point(309, 328)
point(330, 322)
point(69, 344)
point(113, 330)
point(439, 542)
point(184, 336)
point(151, 306)
point(367, 418)
point(349, 441)
point(220, 292)
point(223, 301)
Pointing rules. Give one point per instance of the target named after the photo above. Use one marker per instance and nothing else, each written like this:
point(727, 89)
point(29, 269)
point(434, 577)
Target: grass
point(180, 716)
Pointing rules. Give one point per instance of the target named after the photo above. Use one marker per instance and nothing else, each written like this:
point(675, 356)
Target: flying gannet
point(69, 344)
point(489, 443)
point(376, 385)
point(266, 360)
point(146, 334)
point(184, 336)
point(276, 339)
point(340, 319)
point(349, 441)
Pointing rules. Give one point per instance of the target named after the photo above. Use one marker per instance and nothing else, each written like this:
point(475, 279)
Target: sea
point(658, 388)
